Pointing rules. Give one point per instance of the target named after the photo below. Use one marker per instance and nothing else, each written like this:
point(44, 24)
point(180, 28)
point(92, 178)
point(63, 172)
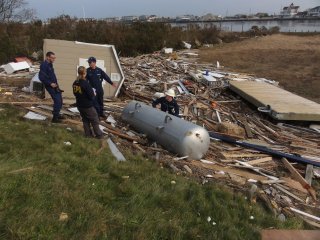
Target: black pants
point(98, 102)
point(90, 118)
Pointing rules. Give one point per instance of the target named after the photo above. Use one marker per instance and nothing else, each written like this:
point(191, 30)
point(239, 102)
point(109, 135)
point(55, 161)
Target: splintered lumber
point(289, 193)
point(241, 155)
point(264, 149)
point(238, 172)
point(305, 214)
point(259, 161)
point(296, 175)
point(309, 174)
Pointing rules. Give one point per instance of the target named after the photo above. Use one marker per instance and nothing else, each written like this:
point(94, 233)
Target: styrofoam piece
point(74, 110)
point(34, 116)
point(167, 50)
point(13, 67)
point(187, 45)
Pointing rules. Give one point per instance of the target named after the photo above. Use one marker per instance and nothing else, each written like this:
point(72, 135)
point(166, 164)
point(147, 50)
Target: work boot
point(61, 117)
point(101, 137)
point(103, 115)
point(56, 120)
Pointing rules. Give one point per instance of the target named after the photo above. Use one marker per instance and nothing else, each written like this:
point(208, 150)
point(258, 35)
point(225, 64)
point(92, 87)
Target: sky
point(167, 8)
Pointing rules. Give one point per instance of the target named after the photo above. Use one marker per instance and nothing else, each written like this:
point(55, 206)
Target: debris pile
point(254, 161)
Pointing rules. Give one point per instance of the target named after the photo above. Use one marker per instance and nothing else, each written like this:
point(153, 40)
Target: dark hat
point(92, 59)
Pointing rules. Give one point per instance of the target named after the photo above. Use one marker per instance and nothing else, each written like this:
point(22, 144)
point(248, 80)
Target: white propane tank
point(173, 133)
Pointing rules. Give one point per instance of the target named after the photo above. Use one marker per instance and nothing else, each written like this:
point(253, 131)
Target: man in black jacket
point(167, 103)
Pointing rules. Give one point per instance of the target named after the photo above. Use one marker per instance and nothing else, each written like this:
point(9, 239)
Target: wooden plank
point(289, 193)
point(309, 174)
point(238, 172)
point(242, 155)
point(259, 161)
point(284, 104)
point(289, 234)
point(296, 175)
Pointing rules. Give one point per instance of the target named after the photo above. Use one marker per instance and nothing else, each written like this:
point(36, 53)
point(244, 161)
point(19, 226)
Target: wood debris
point(281, 185)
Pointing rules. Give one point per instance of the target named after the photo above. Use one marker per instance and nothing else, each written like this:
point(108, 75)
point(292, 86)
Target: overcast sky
point(168, 8)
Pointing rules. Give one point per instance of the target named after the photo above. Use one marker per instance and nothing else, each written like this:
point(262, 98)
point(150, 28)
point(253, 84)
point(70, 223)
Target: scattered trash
point(34, 116)
point(209, 219)
point(173, 182)
point(69, 129)
point(67, 143)
point(115, 151)
point(63, 217)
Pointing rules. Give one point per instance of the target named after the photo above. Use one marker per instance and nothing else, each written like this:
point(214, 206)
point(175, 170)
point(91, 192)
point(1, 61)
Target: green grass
point(100, 202)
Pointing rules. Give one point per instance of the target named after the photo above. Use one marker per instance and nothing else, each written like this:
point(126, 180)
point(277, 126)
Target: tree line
point(23, 38)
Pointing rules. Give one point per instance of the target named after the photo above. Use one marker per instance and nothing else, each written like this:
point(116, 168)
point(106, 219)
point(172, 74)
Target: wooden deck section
point(284, 105)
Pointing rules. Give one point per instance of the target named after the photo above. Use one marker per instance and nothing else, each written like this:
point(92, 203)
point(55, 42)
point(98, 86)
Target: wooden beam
point(296, 175)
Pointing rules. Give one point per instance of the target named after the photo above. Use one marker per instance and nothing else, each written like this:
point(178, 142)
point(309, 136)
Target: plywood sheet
point(284, 105)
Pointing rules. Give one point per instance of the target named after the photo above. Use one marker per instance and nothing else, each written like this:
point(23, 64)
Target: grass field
point(105, 199)
point(292, 60)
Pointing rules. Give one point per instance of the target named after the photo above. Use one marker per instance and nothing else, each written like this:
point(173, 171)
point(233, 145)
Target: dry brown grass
point(294, 61)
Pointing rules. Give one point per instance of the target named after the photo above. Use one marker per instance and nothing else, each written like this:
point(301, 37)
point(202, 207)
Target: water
point(285, 25)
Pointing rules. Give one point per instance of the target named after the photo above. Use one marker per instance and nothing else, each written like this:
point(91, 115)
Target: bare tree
point(15, 10)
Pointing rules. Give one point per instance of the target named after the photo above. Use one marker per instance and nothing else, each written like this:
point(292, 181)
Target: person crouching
point(84, 99)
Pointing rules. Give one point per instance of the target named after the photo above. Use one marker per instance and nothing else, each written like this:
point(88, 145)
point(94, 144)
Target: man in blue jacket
point(95, 76)
point(49, 79)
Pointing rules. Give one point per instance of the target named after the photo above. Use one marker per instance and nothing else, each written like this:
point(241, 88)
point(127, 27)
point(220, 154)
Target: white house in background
point(314, 12)
point(289, 11)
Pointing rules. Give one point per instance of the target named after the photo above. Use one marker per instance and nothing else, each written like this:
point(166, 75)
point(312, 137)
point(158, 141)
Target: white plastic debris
point(110, 119)
point(206, 161)
point(186, 45)
point(34, 116)
point(214, 223)
point(251, 217)
point(167, 50)
point(115, 151)
point(252, 180)
point(74, 110)
point(209, 219)
point(69, 129)
point(173, 182)
point(67, 143)
point(13, 67)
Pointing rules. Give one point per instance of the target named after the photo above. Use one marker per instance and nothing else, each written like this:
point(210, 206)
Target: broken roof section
point(71, 54)
point(282, 105)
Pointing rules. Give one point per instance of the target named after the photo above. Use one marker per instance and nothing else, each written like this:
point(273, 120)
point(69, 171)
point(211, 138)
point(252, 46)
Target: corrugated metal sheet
point(68, 55)
point(284, 105)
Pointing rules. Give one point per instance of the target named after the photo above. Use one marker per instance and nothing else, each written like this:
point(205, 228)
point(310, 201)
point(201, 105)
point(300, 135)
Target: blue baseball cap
point(92, 59)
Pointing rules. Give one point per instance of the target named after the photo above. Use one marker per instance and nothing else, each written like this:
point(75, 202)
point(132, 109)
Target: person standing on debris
point(84, 98)
point(167, 103)
point(49, 79)
point(95, 76)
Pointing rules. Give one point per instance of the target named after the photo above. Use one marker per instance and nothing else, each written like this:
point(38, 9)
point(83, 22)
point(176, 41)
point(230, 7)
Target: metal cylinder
point(174, 134)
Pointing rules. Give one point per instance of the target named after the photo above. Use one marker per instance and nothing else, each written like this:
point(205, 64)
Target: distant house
point(289, 11)
point(314, 12)
point(129, 18)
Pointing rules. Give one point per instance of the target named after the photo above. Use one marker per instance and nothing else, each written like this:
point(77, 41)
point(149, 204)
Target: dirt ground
point(294, 61)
